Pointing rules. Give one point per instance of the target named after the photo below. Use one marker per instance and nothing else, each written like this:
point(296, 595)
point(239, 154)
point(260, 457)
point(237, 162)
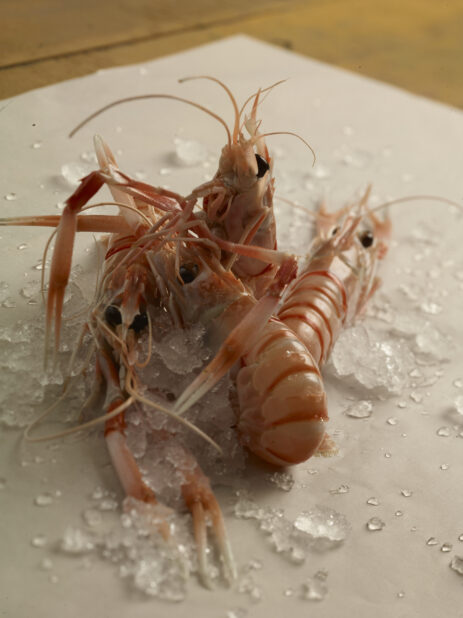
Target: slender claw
point(199, 527)
point(222, 539)
point(201, 501)
point(239, 340)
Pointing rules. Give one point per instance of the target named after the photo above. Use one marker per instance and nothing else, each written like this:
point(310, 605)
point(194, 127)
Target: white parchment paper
point(363, 131)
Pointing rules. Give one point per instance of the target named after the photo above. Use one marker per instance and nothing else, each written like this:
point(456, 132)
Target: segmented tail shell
point(282, 398)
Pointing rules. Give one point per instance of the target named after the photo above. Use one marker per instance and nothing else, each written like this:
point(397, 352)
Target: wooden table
point(415, 44)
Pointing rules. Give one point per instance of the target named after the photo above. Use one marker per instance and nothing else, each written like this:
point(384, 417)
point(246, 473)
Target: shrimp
point(153, 255)
point(238, 201)
point(331, 290)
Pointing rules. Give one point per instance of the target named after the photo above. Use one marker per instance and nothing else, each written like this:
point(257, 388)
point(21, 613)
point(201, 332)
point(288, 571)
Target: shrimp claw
point(201, 502)
point(239, 340)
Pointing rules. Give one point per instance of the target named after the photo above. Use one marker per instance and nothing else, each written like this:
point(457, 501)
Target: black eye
point(112, 315)
point(367, 238)
point(262, 166)
point(140, 322)
point(334, 231)
point(188, 272)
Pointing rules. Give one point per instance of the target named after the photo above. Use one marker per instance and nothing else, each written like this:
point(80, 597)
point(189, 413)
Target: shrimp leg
point(122, 459)
point(201, 502)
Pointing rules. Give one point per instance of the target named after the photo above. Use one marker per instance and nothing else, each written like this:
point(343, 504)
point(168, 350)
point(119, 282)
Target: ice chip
point(372, 360)
point(315, 588)
point(456, 564)
point(324, 525)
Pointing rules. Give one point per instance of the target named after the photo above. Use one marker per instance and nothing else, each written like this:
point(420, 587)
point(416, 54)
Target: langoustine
point(237, 202)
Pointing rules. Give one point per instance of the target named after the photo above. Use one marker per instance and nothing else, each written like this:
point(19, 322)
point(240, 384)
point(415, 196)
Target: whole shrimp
point(238, 200)
point(153, 260)
point(282, 402)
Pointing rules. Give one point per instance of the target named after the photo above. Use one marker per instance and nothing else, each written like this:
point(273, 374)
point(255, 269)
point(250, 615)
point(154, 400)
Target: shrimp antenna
point(294, 135)
point(413, 198)
point(236, 127)
point(151, 96)
point(259, 92)
point(296, 206)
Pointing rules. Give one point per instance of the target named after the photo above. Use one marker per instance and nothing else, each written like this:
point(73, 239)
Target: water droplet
point(108, 505)
point(36, 145)
point(398, 513)
point(9, 303)
point(98, 493)
point(22, 246)
point(4, 291)
point(314, 588)
point(165, 171)
point(75, 541)
point(342, 489)
point(387, 455)
point(432, 541)
point(392, 421)
point(401, 404)
point(416, 397)
point(319, 172)
point(360, 409)
point(444, 432)
point(92, 517)
point(458, 383)
point(444, 466)
point(458, 402)
point(43, 500)
point(406, 493)
point(38, 266)
point(140, 175)
point(401, 594)
point(288, 592)
point(375, 524)
point(74, 172)
point(255, 564)
point(431, 308)
point(446, 547)
point(460, 538)
point(39, 541)
point(189, 152)
point(10, 197)
point(46, 564)
point(457, 564)
point(54, 579)
point(237, 613)
point(373, 501)
point(30, 290)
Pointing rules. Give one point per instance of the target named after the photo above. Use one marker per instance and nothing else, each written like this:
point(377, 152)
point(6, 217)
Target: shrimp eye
point(139, 322)
point(367, 238)
point(188, 272)
point(262, 166)
point(112, 315)
point(334, 231)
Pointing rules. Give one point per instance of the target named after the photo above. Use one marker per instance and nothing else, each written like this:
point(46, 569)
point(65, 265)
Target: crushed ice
point(319, 528)
point(374, 361)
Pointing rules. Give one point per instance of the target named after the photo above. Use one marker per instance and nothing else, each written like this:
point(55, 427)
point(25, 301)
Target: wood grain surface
point(414, 44)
